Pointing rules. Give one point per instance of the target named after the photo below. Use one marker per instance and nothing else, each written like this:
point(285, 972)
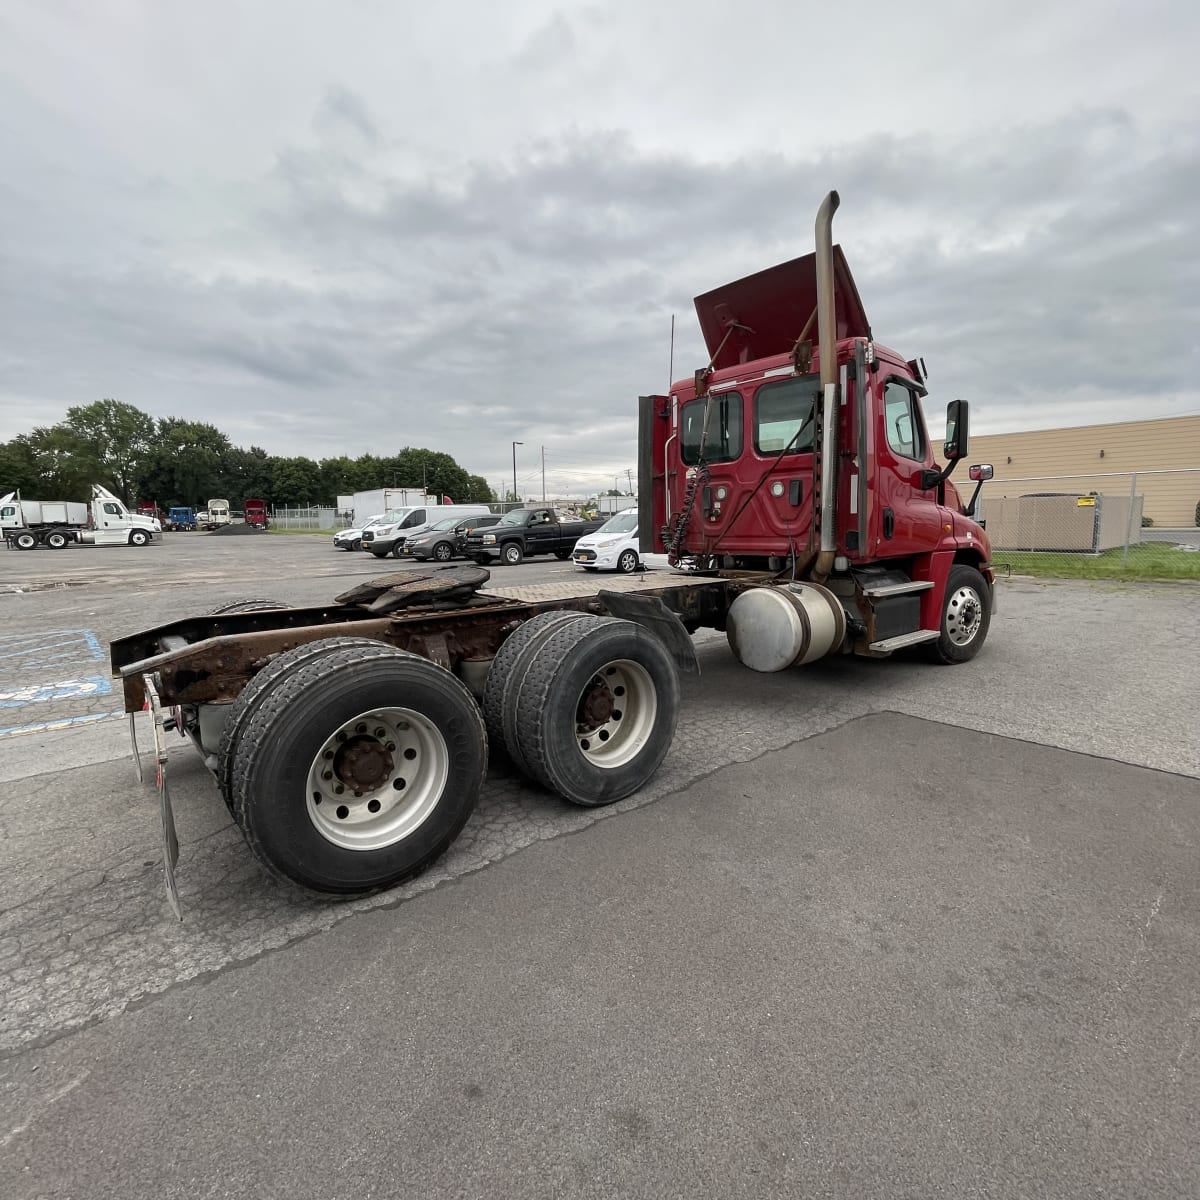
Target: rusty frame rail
point(208, 660)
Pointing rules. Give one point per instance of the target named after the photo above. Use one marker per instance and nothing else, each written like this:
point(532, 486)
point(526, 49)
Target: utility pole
point(543, 474)
point(629, 476)
point(515, 445)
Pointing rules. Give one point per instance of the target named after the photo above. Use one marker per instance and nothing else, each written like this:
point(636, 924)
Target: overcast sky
point(351, 226)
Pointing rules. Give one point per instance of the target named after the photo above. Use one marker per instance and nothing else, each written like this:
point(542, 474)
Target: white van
point(389, 539)
point(613, 547)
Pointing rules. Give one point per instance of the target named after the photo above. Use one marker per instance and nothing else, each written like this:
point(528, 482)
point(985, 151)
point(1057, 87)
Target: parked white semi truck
point(55, 524)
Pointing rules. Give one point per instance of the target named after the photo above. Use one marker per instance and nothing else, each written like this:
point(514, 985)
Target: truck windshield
point(516, 517)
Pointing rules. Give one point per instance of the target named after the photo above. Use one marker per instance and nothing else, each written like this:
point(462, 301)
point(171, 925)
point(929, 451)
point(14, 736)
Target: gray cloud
point(360, 288)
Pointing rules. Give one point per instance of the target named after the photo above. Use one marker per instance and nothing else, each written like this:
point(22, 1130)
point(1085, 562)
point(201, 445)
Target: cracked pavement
point(1102, 670)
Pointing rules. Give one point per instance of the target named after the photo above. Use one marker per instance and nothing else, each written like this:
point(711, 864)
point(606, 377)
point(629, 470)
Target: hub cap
point(964, 615)
point(377, 778)
point(615, 713)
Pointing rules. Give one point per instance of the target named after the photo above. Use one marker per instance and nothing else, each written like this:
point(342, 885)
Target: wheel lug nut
point(328, 754)
point(326, 774)
point(360, 728)
point(381, 732)
point(391, 745)
point(339, 789)
point(357, 792)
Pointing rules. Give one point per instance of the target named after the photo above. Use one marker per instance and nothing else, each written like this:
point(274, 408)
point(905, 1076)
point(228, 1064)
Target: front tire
point(512, 555)
point(443, 552)
point(628, 562)
point(138, 537)
point(562, 555)
point(355, 771)
point(966, 616)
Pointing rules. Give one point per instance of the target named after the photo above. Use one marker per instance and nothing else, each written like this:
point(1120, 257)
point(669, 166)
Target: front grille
point(584, 555)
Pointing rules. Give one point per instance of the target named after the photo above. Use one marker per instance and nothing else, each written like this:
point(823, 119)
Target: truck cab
point(216, 515)
point(181, 518)
point(810, 461)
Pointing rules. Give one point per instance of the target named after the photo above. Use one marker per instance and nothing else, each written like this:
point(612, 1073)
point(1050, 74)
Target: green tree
point(478, 491)
point(414, 467)
point(296, 481)
point(188, 464)
point(248, 473)
point(18, 468)
point(66, 468)
point(113, 439)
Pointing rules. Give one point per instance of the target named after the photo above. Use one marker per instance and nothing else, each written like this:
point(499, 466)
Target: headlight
point(489, 539)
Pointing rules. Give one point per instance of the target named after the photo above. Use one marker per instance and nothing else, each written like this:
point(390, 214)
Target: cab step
point(883, 590)
point(903, 640)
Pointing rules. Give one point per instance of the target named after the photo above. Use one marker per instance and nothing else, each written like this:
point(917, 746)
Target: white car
point(351, 539)
point(613, 547)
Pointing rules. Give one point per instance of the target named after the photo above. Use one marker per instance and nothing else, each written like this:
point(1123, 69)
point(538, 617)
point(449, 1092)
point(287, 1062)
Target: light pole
point(515, 445)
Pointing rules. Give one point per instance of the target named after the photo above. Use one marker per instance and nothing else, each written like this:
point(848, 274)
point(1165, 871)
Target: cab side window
point(113, 510)
point(902, 422)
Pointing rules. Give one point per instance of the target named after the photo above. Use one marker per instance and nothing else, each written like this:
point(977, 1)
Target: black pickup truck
point(525, 532)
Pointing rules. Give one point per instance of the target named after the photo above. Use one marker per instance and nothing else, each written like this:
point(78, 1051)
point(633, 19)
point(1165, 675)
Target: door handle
point(889, 523)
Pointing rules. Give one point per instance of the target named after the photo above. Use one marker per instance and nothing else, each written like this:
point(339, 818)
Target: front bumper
point(601, 560)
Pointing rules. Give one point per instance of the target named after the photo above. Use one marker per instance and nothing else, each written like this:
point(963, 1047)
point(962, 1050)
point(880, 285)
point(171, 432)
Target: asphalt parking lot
point(874, 929)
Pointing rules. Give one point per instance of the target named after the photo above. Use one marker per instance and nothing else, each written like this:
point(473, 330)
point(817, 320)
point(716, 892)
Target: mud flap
point(652, 614)
point(170, 838)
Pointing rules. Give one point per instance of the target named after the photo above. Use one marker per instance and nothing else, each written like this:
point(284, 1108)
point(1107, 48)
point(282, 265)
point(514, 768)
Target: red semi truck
point(254, 512)
point(792, 484)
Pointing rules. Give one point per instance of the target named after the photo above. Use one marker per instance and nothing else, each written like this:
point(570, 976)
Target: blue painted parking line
point(25, 651)
point(62, 663)
point(63, 689)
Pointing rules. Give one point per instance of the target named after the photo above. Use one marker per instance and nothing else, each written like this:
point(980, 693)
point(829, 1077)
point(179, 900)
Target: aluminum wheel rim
point(627, 689)
point(442, 552)
point(409, 764)
point(964, 615)
point(627, 562)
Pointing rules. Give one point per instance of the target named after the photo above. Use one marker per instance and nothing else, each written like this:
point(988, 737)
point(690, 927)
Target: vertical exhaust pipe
point(827, 341)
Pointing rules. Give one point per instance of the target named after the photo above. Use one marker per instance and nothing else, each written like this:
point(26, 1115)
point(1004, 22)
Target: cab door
point(542, 534)
point(907, 519)
point(113, 529)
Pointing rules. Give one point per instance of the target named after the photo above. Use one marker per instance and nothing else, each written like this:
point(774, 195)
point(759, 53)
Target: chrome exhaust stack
point(827, 341)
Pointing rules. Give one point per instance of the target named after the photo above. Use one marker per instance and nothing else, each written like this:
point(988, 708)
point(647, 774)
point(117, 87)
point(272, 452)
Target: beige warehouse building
point(1101, 458)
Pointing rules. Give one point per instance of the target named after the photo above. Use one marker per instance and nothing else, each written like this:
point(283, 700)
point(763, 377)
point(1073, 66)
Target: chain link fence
point(1144, 522)
point(307, 518)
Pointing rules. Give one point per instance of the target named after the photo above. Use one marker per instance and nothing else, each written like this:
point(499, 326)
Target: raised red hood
point(775, 305)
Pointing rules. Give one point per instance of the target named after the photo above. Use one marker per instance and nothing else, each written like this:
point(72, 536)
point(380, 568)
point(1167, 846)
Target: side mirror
point(979, 474)
point(956, 431)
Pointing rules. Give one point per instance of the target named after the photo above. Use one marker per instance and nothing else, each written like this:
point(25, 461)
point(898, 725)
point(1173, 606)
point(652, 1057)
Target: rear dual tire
point(588, 706)
point(399, 731)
